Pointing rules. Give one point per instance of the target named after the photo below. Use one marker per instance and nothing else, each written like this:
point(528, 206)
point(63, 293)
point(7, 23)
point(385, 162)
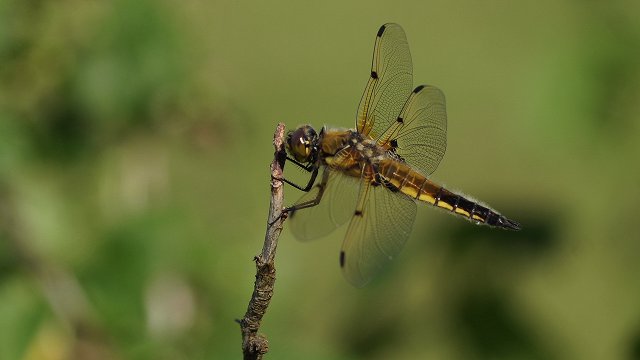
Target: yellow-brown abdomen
point(401, 177)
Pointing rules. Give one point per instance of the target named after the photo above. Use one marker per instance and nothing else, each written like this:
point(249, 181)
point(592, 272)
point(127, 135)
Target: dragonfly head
point(302, 144)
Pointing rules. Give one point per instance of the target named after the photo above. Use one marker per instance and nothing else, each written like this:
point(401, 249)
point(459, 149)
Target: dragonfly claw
point(283, 216)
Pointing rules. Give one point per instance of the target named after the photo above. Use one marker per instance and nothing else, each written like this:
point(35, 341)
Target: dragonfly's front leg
point(312, 168)
point(307, 188)
point(309, 167)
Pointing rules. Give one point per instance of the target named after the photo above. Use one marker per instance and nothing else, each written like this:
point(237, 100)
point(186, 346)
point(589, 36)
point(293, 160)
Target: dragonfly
point(373, 176)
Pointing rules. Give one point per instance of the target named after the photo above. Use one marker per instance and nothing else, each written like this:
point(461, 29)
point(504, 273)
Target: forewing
point(389, 83)
point(419, 135)
point(335, 208)
point(377, 232)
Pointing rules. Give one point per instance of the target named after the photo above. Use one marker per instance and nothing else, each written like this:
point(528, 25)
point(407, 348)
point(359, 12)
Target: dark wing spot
point(381, 30)
point(341, 258)
point(400, 120)
point(374, 74)
point(394, 143)
point(358, 213)
point(417, 89)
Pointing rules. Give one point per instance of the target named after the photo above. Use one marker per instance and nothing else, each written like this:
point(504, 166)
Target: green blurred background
point(135, 139)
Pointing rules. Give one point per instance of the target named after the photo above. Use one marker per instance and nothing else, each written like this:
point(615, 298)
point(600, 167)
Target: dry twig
point(255, 345)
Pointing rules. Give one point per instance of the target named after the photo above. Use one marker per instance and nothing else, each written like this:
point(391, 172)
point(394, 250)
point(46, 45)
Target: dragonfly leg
point(307, 204)
point(307, 188)
point(322, 186)
point(312, 168)
point(308, 167)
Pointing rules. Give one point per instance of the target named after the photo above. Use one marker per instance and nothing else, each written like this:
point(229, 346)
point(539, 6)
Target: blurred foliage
point(135, 138)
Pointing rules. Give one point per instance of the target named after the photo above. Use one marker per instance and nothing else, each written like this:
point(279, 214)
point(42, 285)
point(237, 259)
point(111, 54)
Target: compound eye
point(299, 145)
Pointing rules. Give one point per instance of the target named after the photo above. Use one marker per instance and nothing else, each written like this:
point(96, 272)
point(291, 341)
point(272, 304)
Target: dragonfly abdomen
point(401, 177)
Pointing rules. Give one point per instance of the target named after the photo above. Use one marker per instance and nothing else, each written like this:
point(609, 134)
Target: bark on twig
point(255, 345)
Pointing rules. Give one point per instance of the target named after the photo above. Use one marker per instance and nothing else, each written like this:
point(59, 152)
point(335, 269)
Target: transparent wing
point(377, 232)
point(335, 208)
point(419, 135)
point(389, 84)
